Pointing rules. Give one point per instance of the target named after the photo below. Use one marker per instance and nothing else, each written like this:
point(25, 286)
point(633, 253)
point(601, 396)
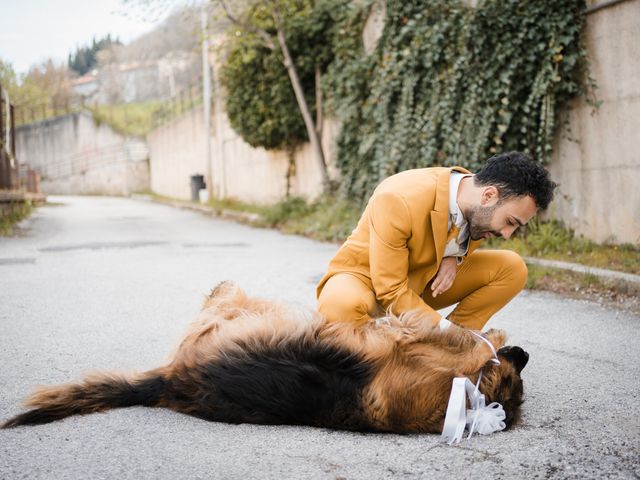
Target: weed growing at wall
point(449, 84)
point(13, 213)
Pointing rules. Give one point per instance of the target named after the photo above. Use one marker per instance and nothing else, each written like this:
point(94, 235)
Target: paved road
point(103, 283)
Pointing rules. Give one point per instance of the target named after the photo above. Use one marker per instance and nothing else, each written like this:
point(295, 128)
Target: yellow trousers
point(484, 283)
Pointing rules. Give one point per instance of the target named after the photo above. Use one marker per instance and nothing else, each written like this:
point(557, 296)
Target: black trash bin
point(197, 184)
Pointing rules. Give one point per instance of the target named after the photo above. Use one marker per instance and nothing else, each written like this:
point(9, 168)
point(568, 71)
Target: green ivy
point(449, 84)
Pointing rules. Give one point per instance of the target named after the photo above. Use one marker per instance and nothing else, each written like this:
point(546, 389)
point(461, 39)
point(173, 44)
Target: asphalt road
point(110, 283)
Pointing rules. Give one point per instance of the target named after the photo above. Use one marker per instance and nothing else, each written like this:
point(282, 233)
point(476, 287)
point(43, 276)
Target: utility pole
point(206, 96)
point(218, 149)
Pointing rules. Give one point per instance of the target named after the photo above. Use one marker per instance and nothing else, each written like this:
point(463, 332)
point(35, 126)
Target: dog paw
point(497, 337)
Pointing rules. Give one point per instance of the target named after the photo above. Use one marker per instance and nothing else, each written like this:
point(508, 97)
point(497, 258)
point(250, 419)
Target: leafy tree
point(8, 77)
point(266, 37)
point(46, 87)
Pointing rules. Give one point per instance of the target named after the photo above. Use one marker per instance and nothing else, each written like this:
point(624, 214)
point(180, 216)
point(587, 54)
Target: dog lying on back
point(247, 360)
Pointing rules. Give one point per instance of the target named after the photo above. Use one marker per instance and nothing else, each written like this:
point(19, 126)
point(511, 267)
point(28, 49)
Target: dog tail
point(97, 392)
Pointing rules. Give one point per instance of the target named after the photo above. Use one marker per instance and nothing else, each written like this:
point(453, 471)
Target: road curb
point(244, 217)
point(602, 273)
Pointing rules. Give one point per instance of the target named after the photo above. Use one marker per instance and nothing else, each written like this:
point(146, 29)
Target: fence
point(8, 166)
point(126, 118)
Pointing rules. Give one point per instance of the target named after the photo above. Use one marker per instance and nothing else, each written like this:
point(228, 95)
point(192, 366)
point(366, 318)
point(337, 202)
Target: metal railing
point(132, 118)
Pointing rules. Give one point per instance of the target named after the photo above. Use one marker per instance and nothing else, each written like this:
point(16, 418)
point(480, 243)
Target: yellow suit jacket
point(398, 244)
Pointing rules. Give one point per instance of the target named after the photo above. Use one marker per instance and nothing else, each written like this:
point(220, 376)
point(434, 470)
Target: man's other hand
point(445, 276)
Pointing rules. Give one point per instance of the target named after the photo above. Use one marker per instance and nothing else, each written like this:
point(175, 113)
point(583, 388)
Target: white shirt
point(456, 247)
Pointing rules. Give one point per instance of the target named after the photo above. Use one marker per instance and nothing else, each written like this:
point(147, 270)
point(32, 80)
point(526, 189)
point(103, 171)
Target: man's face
point(499, 219)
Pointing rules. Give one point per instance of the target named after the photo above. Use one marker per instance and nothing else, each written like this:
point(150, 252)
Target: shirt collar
point(454, 185)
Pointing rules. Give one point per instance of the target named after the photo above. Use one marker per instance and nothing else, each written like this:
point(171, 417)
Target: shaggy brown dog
point(246, 360)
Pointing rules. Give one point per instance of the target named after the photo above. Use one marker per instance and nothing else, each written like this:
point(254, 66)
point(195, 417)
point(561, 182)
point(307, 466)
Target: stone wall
point(74, 155)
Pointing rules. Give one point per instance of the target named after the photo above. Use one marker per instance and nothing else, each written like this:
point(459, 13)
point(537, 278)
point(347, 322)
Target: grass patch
point(238, 206)
point(15, 212)
point(617, 293)
point(135, 119)
point(551, 240)
point(138, 119)
point(325, 219)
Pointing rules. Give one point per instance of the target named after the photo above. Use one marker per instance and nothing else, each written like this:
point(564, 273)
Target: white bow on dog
point(481, 418)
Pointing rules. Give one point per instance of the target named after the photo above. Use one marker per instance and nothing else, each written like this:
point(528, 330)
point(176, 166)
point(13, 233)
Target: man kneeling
point(414, 247)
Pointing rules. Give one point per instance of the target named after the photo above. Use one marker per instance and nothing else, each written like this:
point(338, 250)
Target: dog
point(246, 360)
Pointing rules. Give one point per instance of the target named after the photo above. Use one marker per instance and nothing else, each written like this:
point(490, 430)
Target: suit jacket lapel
point(440, 213)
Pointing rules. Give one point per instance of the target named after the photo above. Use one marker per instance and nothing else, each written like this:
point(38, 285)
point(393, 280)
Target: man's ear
point(489, 196)
point(516, 355)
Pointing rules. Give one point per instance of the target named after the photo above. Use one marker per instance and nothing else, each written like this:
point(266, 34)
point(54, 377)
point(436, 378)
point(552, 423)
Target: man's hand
point(445, 276)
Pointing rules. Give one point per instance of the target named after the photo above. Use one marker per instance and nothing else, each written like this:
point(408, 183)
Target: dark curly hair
point(515, 174)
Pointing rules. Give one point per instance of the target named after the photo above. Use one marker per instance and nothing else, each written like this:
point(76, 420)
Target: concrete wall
point(596, 158)
point(260, 176)
point(75, 156)
point(177, 151)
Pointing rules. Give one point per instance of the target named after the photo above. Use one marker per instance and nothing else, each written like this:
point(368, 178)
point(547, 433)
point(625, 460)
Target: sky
point(33, 30)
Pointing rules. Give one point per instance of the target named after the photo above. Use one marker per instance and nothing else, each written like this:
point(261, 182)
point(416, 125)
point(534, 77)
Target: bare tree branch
point(264, 36)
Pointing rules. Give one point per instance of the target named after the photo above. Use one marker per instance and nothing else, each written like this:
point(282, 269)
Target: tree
point(251, 21)
point(84, 59)
point(45, 88)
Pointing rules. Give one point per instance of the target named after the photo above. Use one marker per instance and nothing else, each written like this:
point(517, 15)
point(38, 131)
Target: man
point(414, 247)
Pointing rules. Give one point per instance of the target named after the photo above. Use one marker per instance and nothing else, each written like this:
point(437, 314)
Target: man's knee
point(514, 268)
point(346, 300)
point(338, 309)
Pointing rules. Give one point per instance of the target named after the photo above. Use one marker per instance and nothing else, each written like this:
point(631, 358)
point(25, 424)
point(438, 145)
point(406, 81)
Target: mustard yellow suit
point(395, 252)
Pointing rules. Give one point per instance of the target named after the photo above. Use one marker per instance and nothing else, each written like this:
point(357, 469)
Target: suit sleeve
point(390, 230)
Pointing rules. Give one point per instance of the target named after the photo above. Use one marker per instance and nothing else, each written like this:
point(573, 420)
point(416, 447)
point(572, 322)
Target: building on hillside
point(87, 85)
point(138, 81)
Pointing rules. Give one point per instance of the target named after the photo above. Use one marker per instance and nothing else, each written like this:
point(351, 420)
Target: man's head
point(511, 188)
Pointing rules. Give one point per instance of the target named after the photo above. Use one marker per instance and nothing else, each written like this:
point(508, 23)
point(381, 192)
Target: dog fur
point(247, 360)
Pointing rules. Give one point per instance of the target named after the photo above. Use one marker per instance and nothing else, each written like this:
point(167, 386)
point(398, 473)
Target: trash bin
point(197, 183)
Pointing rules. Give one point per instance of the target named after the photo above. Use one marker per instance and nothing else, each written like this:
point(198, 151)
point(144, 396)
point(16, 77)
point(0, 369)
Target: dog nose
point(521, 358)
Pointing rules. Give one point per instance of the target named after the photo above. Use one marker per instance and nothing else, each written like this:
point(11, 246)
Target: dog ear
point(497, 337)
point(516, 355)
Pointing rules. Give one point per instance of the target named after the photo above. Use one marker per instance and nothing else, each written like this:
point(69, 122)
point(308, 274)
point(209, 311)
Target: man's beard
point(479, 220)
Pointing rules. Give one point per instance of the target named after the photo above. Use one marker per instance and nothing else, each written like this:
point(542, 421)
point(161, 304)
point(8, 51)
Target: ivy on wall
point(449, 84)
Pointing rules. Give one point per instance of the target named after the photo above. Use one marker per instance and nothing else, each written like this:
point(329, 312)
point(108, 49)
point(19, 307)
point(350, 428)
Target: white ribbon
point(493, 350)
point(481, 418)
